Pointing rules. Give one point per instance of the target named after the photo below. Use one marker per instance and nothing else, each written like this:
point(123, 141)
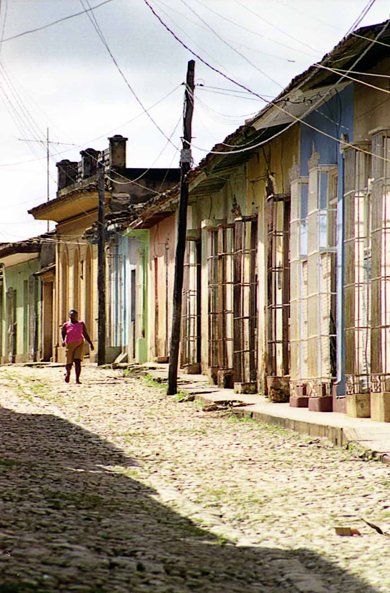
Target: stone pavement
point(372, 437)
point(111, 486)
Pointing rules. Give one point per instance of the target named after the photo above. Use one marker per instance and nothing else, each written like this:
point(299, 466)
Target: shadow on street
point(69, 522)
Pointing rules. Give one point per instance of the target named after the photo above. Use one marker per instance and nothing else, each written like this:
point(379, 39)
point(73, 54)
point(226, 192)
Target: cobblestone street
point(111, 486)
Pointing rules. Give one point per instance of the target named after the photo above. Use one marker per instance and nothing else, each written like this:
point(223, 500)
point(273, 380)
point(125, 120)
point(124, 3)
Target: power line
point(101, 36)
point(3, 4)
point(98, 137)
point(274, 26)
point(361, 16)
point(253, 32)
point(368, 39)
point(158, 2)
point(362, 73)
point(230, 45)
point(295, 118)
point(346, 75)
point(66, 18)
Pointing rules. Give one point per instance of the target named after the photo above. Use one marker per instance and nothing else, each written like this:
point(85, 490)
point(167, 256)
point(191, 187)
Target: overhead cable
point(275, 104)
point(371, 86)
point(231, 46)
point(104, 41)
point(98, 137)
point(254, 32)
point(65, 18)
point(274, 26)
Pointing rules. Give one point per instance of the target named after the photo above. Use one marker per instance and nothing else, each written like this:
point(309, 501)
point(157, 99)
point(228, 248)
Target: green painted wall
point(17, 277)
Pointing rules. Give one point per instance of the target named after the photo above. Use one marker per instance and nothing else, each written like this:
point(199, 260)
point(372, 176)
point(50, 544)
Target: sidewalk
point(372, 437)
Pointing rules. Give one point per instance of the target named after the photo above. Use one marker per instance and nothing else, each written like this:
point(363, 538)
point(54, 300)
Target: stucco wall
point(71, 246)
point(161, 278)
point(372, 106)
point(17, 277)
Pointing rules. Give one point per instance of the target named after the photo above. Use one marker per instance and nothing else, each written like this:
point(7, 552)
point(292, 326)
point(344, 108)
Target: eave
point(17, 258)
point(71, 204)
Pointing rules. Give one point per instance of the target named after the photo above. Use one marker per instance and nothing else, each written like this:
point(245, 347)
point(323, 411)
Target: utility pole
point(101, 355)
point(47, 172)
point(47, 142)
point(185, 165)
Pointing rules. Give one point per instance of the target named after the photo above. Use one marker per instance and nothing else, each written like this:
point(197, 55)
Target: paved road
point(111, 486)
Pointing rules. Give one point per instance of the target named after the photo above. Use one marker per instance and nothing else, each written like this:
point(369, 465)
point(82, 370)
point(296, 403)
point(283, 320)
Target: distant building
point(75, 209)
point(26, 299)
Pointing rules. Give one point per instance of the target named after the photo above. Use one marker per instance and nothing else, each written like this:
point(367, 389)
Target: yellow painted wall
point(71, 243)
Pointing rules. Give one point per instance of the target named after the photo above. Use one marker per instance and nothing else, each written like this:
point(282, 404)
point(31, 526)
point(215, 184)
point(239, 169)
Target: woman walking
point(73, 334)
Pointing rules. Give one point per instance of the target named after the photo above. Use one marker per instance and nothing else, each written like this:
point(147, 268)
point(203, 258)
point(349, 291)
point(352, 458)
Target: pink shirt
point(74, 331)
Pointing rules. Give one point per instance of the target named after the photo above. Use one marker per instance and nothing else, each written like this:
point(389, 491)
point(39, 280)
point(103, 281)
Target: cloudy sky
point(62, 77)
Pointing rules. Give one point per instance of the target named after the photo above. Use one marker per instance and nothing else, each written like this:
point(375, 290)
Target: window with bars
point(357, 275)
point(278, 277)
point(380, 262)
point(313, 278)
point(245, 303)
point(220, 283)
point(321, 276)
point(191, 330)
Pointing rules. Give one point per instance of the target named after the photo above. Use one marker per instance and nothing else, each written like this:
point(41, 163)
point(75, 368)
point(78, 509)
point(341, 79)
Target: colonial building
point(26, 299)
point(74, 210)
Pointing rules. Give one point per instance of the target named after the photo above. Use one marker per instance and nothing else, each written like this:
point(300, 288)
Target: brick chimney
point(117, 151)
point(67, 173)
point(89, 159)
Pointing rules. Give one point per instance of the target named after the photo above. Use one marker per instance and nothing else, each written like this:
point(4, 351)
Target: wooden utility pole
point(185, 165)
point(101, 355)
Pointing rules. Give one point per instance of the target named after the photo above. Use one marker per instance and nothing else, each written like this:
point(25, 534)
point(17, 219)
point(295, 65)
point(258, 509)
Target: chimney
point(67, 173)
point(89, 159)
point(118, 151)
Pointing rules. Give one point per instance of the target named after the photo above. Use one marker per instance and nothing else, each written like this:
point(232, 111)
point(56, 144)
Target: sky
point(85, 85)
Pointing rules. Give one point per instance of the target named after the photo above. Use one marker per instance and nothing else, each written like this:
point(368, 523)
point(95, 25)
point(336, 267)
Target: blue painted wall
point(335, 117)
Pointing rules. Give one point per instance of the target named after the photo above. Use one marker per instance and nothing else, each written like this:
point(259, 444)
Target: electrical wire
point(361, 16)
point(231, 46)
point(368, 39)
point(29, 125)
point(254, 32)
point(206, 86)
point(3, 5)
point(230, 95)
point(98, 137)
point(225, 117)
point(291, 6)
point(387, 76)
point(274, 26)
point(371, 86)
point(295, 118)
point(101, 36)
point(66, 18)
point(159, 2)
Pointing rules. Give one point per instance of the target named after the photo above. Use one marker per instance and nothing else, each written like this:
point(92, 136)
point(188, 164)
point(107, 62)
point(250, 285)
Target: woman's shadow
point(70, 522)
